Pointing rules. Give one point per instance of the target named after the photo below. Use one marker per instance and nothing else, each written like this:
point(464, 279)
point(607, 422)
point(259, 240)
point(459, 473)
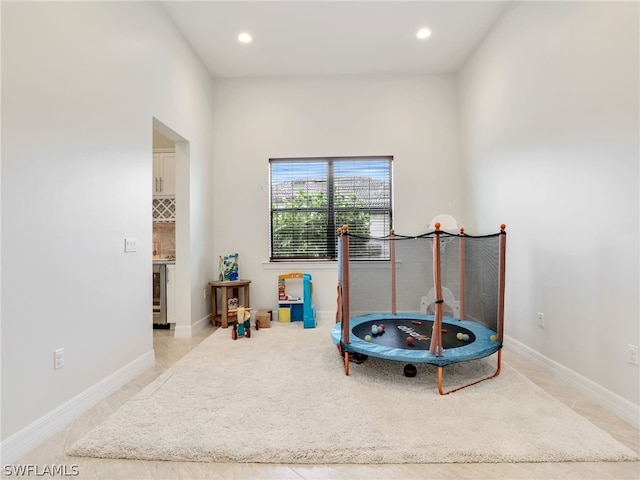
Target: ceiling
point(311, 38)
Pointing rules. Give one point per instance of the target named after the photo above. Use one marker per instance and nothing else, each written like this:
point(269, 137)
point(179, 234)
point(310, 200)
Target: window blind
point(311, 197)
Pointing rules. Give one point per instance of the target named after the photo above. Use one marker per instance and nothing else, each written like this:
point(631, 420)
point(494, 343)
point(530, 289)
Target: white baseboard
point(22, 442)
point(187, 331)
point(614, 403)
point(201, 324)
point(321, 316)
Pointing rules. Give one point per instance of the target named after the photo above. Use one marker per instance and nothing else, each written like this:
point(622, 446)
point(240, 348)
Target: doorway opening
point(170, 220)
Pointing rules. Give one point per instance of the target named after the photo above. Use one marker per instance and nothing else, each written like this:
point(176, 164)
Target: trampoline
point(435, 273)
point(392, 343)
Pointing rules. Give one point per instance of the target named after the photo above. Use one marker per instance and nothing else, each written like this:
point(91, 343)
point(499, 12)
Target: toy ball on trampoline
point(462, 336)
point(459, 335)
point(410, 370)
point(493, 338)
point(409, 340)
point(367, 338)
point(374, 329)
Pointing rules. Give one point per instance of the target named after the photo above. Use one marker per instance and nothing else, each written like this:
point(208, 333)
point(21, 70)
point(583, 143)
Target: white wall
point(413, 118)
point(550, 146)
point(549, 115)
point(81, 83)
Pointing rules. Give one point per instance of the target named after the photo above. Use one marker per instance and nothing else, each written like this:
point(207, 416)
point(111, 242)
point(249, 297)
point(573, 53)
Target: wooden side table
point(225, 286)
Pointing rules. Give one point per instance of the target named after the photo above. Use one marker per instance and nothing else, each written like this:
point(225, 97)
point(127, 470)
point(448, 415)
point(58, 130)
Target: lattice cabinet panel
point(164, 209)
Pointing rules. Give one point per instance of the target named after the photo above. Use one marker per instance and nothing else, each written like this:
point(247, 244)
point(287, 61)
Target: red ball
point(409, 340)
point(381, 326)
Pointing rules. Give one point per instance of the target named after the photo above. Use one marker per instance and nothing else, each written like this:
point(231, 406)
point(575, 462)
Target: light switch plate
point(130, 245)
point(58, 358)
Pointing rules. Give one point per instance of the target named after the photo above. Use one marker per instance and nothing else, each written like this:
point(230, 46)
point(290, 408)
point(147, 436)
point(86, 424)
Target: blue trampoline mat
point(392, 343)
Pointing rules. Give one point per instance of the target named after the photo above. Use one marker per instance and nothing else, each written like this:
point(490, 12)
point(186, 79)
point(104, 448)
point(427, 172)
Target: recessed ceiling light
point(244, 37)
point(423, 33)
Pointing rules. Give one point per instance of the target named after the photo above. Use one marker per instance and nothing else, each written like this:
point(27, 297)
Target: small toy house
point(294, 299)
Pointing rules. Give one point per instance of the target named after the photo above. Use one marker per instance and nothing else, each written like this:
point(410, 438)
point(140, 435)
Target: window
point(312, 197)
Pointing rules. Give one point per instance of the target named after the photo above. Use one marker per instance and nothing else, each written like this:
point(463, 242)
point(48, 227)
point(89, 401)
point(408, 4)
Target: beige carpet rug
point(282, 397)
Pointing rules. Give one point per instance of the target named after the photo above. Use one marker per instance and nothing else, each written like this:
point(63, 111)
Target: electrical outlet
point(633, 354)
point(204, 294)
point(58, 358)
point(541, 319)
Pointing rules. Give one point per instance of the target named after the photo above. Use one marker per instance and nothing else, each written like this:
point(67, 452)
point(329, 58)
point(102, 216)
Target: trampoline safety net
point(469, 267)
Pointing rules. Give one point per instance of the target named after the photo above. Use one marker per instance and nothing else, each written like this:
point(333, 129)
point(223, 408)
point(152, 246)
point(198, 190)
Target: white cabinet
point(164, 173)
point(171, 293)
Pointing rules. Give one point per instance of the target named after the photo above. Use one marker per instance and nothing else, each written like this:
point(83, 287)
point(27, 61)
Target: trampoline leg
point(497, 372)
point(345, 357)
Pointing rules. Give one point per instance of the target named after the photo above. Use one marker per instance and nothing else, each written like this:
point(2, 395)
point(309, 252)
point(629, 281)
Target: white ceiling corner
point(317, 38)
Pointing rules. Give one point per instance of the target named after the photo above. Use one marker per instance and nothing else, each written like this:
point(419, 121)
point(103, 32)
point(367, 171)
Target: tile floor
point(169, 350)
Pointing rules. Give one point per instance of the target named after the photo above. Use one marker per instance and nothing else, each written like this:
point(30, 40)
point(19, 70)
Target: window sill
point(324, 265)
point(303, 265)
